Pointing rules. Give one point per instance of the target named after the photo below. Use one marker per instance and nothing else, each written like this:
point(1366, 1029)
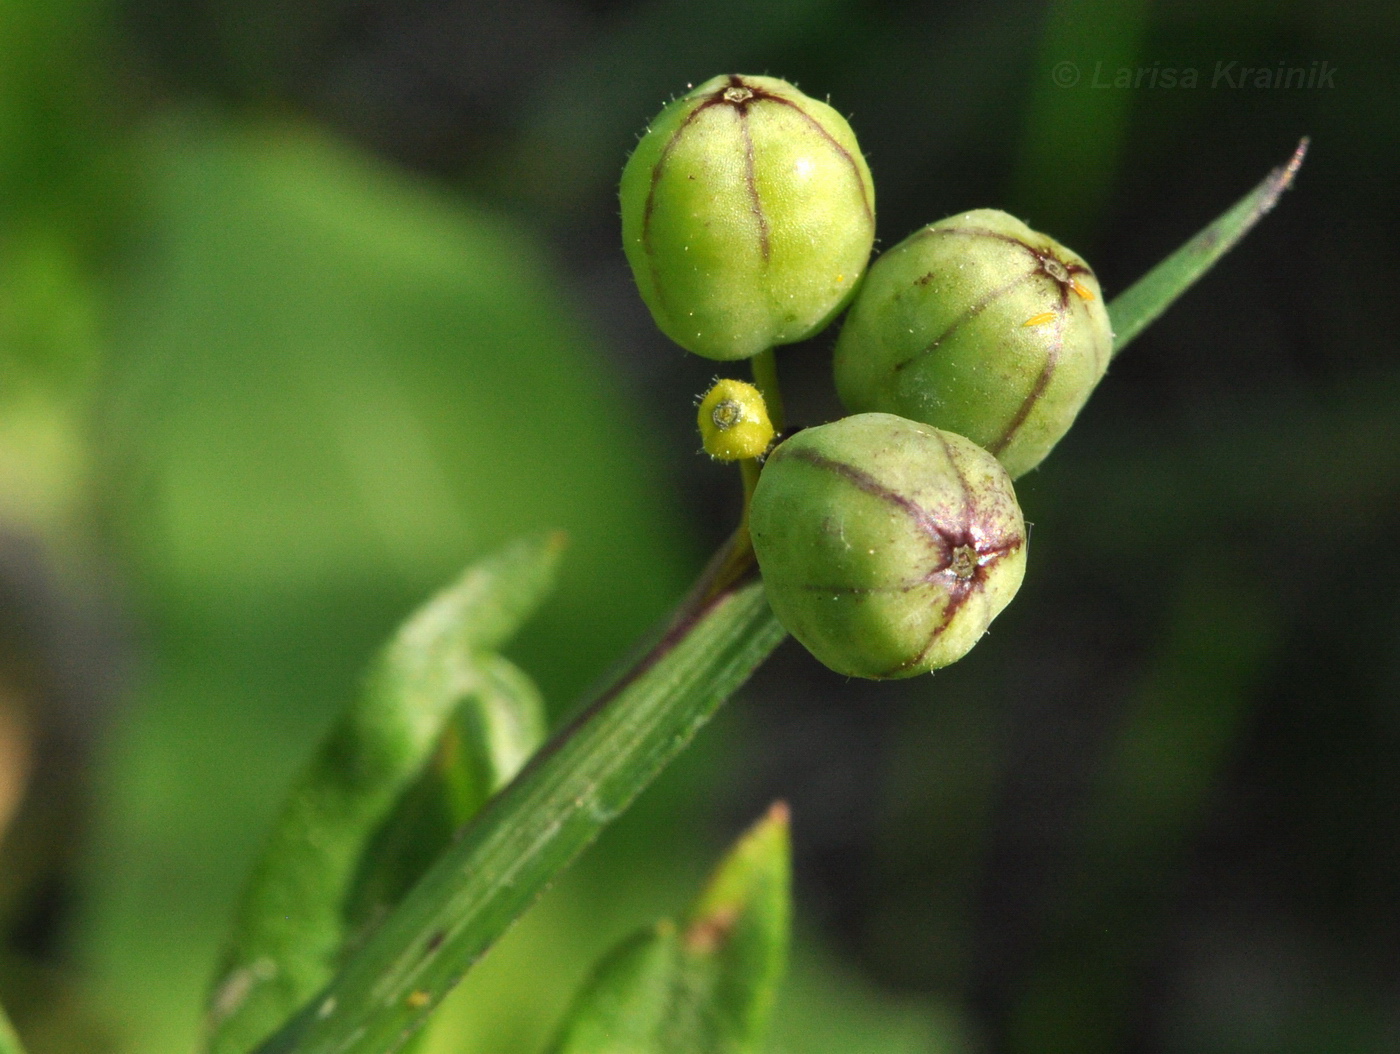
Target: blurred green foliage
point(264, 385)
point(316, 410)
point(709, 986)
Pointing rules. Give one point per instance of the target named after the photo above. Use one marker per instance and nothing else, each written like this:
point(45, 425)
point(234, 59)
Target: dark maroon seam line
point(1040, 255)
point(650, 205)
point(736, 81)
point(980, 232)
point(957, 597)
point(872, 486)
point(962, 485)
point(1052, 359)
point(989, 554)
point(966, 316)
point(850, 159)
point(1001, 549)
point(864, 590)
point(765, 248)
point(666, 152)
point(1071, 269)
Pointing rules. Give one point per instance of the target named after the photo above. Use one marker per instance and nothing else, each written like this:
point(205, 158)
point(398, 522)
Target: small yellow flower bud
point(734, 422)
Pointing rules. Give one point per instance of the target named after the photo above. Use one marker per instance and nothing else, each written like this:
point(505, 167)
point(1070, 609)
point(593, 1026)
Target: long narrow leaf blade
point(582, 779)
point(299, 910)
point(1140, 304)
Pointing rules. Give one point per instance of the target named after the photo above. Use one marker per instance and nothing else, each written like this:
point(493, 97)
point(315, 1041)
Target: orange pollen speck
point(417, 1000)
point(1040, 319)
point(1085, 293)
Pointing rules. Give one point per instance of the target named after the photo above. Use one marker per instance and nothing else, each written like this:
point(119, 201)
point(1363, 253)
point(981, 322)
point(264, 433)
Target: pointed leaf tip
point(1144, 301)
point(736, 936)
point(757, 865)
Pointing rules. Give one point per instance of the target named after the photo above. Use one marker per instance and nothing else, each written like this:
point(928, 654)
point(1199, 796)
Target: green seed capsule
point(887, 547)
point(747, 216)
point(979, 325)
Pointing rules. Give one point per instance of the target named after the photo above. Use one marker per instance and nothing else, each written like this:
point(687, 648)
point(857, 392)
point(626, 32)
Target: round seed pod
point(887, 547)
point(747, 216)
point(981, 326)
point(733, 421)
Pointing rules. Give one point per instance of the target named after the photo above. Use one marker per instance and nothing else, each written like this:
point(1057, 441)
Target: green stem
point(581, 780)
point(749, 469)
point(765, 379)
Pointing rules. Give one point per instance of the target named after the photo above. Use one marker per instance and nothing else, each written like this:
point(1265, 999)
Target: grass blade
point(578, 783)
point(1140, 304)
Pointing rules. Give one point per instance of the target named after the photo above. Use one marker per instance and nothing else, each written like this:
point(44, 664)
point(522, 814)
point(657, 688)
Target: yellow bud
point(733, 421)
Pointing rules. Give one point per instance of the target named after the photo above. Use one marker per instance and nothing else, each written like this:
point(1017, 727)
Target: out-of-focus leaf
point(53, 172)
point(1138, 306)
point(49, 349)
point(577, 784)
point(710, 988)
point(1074, 136)
point(827, 1007)
point(736, 939)
point(295, 917)
point(9, 1042)
point(330, 382)
point(326, 372)
point(627, 1003)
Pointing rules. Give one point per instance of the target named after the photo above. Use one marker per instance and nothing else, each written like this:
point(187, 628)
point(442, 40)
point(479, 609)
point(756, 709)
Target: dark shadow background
point(1156, 810)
